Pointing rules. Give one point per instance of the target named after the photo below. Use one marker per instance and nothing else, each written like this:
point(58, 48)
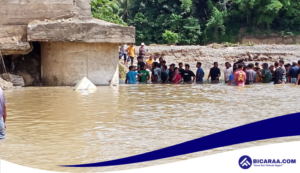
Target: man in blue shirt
point(131, 76)
point(2, 114)
point(293, 72)
point(200, 73)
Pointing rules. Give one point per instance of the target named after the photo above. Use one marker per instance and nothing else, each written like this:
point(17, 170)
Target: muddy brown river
point(51, 126)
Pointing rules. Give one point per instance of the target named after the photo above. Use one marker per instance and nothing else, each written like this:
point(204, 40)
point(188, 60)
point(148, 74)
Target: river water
point(50, 126)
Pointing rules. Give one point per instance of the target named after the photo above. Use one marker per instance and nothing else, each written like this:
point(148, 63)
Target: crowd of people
point(239, 73)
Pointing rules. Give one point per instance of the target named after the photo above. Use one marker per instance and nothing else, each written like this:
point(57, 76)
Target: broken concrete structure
point(72, 43)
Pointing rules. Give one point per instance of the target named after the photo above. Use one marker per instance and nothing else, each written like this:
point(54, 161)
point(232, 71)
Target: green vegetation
point(200, 21)
point(170, 37)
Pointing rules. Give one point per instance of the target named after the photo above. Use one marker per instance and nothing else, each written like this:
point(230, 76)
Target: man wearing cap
point(280, 73)
point(214, 73)
point(142, 51)
point(131, 51)
point(188, 74)
point(3, 114)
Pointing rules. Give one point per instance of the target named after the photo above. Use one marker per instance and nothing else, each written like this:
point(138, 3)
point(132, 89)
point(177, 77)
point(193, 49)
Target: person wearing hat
point(266, 73)
point(188, 74)
point(131, 51)
point(279, 77)
point(171, 72)
point(142, 51)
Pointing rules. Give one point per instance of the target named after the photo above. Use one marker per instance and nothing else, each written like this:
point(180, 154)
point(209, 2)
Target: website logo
point(245, 162)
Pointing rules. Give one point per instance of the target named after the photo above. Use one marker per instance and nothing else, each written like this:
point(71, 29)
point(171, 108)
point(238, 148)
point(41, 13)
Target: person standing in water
point(214, 73)
point(188, 74)
point(156, 73)
point(239, 76)
point(293, 72)
point(231, 77)
point(164, 75)
point(144, 75)
point(131, 76)
point(180, 69)
point(280, 73)
point(171, 72)
point(140, 64)
point(266, 74)
point(177, 77)
point(298, 78)
point(200, 73)
point(250, 75)
point(3, 114)
point(227, 72)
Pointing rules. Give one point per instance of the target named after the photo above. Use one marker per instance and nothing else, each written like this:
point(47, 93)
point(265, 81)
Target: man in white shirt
point(123, 52)
point(227, 72)
point(156, 73)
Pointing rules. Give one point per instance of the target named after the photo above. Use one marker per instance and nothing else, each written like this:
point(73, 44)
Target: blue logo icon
point(245, 162)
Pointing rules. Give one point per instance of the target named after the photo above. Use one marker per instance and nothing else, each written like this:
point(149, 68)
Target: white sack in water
point(85, 84)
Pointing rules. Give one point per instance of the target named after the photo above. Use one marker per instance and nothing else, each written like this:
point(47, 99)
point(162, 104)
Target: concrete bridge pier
point(73, 43)
point(66, 63)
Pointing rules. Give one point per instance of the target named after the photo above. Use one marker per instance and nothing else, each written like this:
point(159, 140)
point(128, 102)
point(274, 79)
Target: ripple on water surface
point(50, 126)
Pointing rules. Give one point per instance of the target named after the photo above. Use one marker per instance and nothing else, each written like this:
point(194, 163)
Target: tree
point(170, 37)
point(106, 10)
point(124, 11)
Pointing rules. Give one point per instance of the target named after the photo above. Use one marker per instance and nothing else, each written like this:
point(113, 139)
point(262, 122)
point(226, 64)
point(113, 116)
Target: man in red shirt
point(239, 76)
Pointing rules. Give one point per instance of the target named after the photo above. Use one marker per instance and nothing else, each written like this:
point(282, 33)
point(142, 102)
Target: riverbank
point(27, 70)
point(223, 53)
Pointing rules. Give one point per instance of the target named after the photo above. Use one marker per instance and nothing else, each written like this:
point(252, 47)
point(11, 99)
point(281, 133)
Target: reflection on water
point(50, 126)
